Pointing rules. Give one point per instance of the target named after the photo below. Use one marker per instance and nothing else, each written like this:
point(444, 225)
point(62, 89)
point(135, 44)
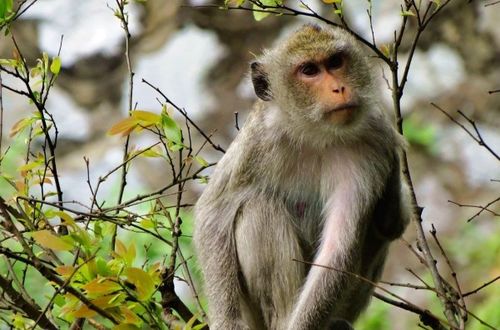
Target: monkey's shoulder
point(237, 168)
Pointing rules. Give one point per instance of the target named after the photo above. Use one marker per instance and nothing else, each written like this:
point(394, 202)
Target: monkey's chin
point(342, 115)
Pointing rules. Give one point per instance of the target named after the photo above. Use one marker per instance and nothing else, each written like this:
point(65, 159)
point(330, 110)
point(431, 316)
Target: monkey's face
point(323, 80)
point(320, 81)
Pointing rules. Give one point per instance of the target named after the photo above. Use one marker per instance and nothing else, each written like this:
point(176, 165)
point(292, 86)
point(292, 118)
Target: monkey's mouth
point(348, 107)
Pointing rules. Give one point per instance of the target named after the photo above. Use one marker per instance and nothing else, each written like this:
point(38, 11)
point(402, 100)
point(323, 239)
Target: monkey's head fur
point(317, 85)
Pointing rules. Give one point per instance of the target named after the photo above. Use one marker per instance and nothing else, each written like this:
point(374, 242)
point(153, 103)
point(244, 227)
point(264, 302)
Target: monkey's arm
point(339, 250)
point(393, 210)
point(217, 257)
point(217, 213)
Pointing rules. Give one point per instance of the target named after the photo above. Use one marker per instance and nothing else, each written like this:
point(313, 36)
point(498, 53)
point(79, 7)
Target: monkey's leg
point(267, 244)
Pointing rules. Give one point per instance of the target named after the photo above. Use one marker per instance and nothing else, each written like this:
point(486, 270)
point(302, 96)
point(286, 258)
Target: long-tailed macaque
point(314, 176)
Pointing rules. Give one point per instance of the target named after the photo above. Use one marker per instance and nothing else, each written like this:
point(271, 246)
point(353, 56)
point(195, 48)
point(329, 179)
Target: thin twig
point(1, 114)
point(482, 208)
point(461, 307)
point(31, 309)
point(410, 306)
point(236, 124)
point(183, 113)
point(478, 137)
point(123, 16)
point(492, 3)
point(425, 316)
point(482, 286)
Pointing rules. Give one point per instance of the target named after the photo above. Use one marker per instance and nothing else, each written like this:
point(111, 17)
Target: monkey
point(308, 194)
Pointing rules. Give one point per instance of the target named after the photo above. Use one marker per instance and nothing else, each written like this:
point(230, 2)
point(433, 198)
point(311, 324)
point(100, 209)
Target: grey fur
point(293, 186)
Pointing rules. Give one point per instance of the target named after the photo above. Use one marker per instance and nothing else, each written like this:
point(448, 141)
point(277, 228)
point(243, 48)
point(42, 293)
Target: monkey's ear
point(260, 81)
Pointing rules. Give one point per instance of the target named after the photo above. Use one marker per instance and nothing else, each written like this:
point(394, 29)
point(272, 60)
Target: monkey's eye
point(309, 69)
point(335, 62)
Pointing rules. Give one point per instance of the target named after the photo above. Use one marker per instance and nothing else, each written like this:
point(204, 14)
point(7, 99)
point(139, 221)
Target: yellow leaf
point(109, 301)
point(120, 248)
point(146, 117)
point(130, 256)
point(46, 239)
point(143, 282)
point(68, 220)
point(30, 166)
point(20, 186)
point(155, 272)
point(83, 312)
point(65, 270)
point(130, 317)
point(19, 126)
point(123, 127)
point(125, 326)
point(152, 153)
point(101, 286)
point(147, 223)
point(45, 180)
point(386, 50)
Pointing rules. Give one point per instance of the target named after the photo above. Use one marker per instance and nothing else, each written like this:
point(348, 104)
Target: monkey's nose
point(339, 90)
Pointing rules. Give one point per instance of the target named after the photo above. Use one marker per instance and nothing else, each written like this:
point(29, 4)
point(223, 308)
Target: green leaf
point(45, 57)
point(59, 300)
point(199, 326)
point(407, 13)
point(172, 131)
point(48, 240)
point(235, 2)
point(147, 223)
point(55, 66)
point(416, 133)
point(102, 267)
point(437, 2)
point(18, 320)
point(8, 62)
point(200, 160)
point(5, 8)
point(203, 179)
point(258, 14)
point(175, 147)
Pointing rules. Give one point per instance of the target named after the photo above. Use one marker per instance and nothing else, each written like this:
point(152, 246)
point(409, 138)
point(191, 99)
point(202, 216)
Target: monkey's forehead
point(316, 42)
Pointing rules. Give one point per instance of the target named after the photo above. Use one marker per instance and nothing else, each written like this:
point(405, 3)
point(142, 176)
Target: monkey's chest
point(307, 219)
